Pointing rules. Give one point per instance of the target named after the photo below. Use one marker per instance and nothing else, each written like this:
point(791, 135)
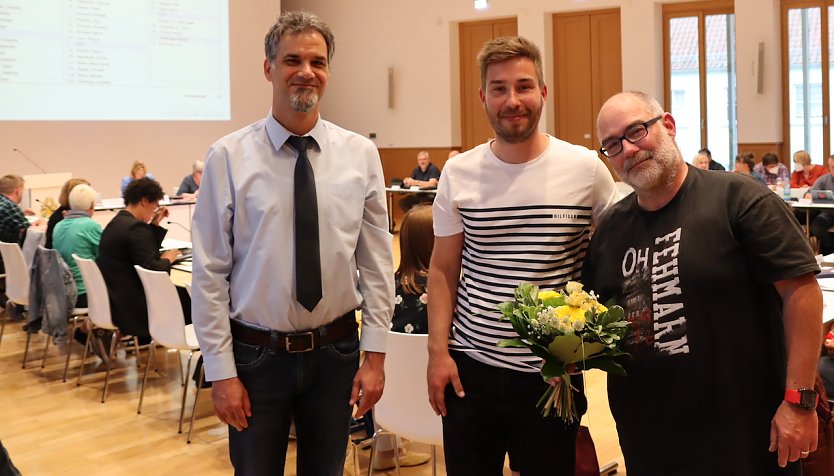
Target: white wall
point(419, 40)
point(103, 152)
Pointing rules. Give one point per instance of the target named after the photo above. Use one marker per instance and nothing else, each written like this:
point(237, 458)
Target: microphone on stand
point(15, 149)
point(179, 225)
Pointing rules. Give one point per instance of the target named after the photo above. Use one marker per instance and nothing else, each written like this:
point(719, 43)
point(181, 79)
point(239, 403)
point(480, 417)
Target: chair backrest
point(165, 318)
point(17, 273)
point(404, 408)
point(98, 301)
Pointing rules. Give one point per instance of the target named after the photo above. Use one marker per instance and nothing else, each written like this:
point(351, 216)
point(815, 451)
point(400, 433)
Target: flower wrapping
point(565, 328)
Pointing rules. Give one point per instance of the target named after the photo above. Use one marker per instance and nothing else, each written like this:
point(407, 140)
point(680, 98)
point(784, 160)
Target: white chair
point(167, 325)
point(17, 279)
point(98, 305)
point(404, 408)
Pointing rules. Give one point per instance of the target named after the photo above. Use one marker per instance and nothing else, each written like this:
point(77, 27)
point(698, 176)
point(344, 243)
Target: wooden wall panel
point(761, 148)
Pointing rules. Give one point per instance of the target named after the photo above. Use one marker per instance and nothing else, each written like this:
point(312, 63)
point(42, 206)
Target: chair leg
point(373, 452)
point(26, 349)
point(45, 350)
point(2, 328)
point(110, 363)
point(197, 399)
point(433, 460)
point(136, 350)
point(145, 377)
point(397, 453)
point(83, 358)
point(179, 365)
point(184, 388)
point(70, 338)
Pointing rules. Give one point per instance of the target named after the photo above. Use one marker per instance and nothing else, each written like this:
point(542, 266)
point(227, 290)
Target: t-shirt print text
point(668, 320)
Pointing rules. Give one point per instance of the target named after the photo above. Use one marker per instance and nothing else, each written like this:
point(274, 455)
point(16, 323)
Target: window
point(806, 72)
point(699, 60)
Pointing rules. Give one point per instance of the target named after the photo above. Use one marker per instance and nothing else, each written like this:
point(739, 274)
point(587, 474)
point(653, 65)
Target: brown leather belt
point(305, 341)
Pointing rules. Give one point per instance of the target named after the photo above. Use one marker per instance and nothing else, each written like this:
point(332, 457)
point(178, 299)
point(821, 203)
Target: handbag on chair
point(586, 454)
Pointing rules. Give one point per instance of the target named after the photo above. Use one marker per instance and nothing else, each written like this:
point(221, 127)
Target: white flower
point(573, 287)
point(424, 298)
point(390, 325)
point(398, 300)
point(409, 328)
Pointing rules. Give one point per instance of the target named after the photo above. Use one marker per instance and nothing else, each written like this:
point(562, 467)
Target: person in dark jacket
point(133, 237)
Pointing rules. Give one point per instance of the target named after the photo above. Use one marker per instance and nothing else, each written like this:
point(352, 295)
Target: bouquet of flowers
point(565, 329)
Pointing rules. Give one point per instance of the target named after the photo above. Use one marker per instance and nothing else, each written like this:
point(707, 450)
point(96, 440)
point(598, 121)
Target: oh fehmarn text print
point(668, 325)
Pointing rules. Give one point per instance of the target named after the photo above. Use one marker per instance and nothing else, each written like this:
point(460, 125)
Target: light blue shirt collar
point(278, 134)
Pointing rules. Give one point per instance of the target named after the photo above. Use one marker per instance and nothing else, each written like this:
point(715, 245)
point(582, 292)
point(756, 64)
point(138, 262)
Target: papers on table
point(183, 266)
point(171, 244)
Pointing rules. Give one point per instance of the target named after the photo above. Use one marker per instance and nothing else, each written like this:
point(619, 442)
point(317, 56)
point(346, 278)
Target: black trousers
point(498, 416)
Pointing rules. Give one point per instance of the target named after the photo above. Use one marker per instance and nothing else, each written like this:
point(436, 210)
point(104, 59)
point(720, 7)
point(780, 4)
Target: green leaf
point(569, 348)
point(552, 368)
point(512, 343)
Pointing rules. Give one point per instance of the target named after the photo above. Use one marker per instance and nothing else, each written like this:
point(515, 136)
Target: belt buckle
point(288, 342)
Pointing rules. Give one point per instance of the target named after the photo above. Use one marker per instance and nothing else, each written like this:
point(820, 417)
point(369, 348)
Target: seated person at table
point(713, 165)
point(425, 175)
point(63, 201)
point(133, 237)
point(825, 219)
point(13, 222)
point(745, 163)
point(410, 313)
point(190, 186)
point(701, 160)
point(772, 170)
point(78, 233)
point(805, 173)
point(137, 171)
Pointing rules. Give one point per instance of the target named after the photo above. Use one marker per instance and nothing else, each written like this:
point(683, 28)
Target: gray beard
point(304, 102)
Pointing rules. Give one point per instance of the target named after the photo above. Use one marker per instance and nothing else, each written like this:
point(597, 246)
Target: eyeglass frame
point(645, 125)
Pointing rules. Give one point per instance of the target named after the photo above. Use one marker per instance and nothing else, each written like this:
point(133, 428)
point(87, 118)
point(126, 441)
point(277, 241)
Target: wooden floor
point(55, 428)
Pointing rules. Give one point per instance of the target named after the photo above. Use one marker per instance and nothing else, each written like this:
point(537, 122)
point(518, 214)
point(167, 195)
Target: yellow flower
point(577, 299)
point(573, 314)
point(573, 287)
point(548, 294)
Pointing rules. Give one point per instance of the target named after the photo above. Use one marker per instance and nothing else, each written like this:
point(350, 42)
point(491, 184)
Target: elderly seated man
point(425, 175)
point(190, 186)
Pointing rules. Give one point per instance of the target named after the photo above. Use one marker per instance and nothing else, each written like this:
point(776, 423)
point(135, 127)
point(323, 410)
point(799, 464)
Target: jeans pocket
point(248, 356)
point(347, 347)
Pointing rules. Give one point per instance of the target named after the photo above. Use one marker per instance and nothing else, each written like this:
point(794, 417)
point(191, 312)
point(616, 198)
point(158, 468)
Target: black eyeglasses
point(633, 134)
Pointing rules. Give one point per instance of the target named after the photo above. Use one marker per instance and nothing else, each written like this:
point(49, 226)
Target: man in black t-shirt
point(717, 281)
point(425, 175)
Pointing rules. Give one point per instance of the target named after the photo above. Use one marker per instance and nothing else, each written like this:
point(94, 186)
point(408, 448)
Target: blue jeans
point(310, 388)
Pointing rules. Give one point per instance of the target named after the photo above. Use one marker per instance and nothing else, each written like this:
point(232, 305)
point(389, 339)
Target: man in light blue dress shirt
point(271, 360)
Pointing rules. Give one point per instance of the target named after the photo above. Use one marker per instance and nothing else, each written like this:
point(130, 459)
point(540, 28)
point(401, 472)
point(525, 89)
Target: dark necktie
point(307, 259)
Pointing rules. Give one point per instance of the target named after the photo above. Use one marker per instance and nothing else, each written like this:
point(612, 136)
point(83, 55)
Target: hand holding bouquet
point(565, 329)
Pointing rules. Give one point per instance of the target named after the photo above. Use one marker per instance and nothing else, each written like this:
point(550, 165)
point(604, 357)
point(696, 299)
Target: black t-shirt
point(431, 172)
point(707, 340)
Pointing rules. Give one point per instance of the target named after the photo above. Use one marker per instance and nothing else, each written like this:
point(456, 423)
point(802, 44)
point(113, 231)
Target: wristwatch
point(802, 397)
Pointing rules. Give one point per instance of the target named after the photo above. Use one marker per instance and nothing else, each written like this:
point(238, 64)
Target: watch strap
point(795, 397)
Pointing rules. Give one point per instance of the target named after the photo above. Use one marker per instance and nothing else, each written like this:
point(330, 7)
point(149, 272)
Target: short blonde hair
point(82, 197)
point(802, 157)
point(137, 166)
point(70, 184)
point(506, 48)
point(10, 183)
point(198, 166)
point(700, 157)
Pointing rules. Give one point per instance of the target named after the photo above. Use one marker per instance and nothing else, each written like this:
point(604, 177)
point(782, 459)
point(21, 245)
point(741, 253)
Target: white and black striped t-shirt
point(521, 222)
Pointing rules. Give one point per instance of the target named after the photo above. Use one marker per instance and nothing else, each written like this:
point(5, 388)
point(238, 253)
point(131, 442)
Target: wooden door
point(587, 65)
point(475, 128)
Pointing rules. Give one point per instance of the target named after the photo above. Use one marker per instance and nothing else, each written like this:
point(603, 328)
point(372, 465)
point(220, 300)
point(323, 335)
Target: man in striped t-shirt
point(517, 208)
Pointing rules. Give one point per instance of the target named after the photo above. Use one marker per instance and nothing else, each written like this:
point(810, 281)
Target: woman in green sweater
point(78, 233)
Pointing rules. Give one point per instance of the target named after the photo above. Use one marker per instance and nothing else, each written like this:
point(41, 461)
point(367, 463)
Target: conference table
point(390, 191)
point(807, 206)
